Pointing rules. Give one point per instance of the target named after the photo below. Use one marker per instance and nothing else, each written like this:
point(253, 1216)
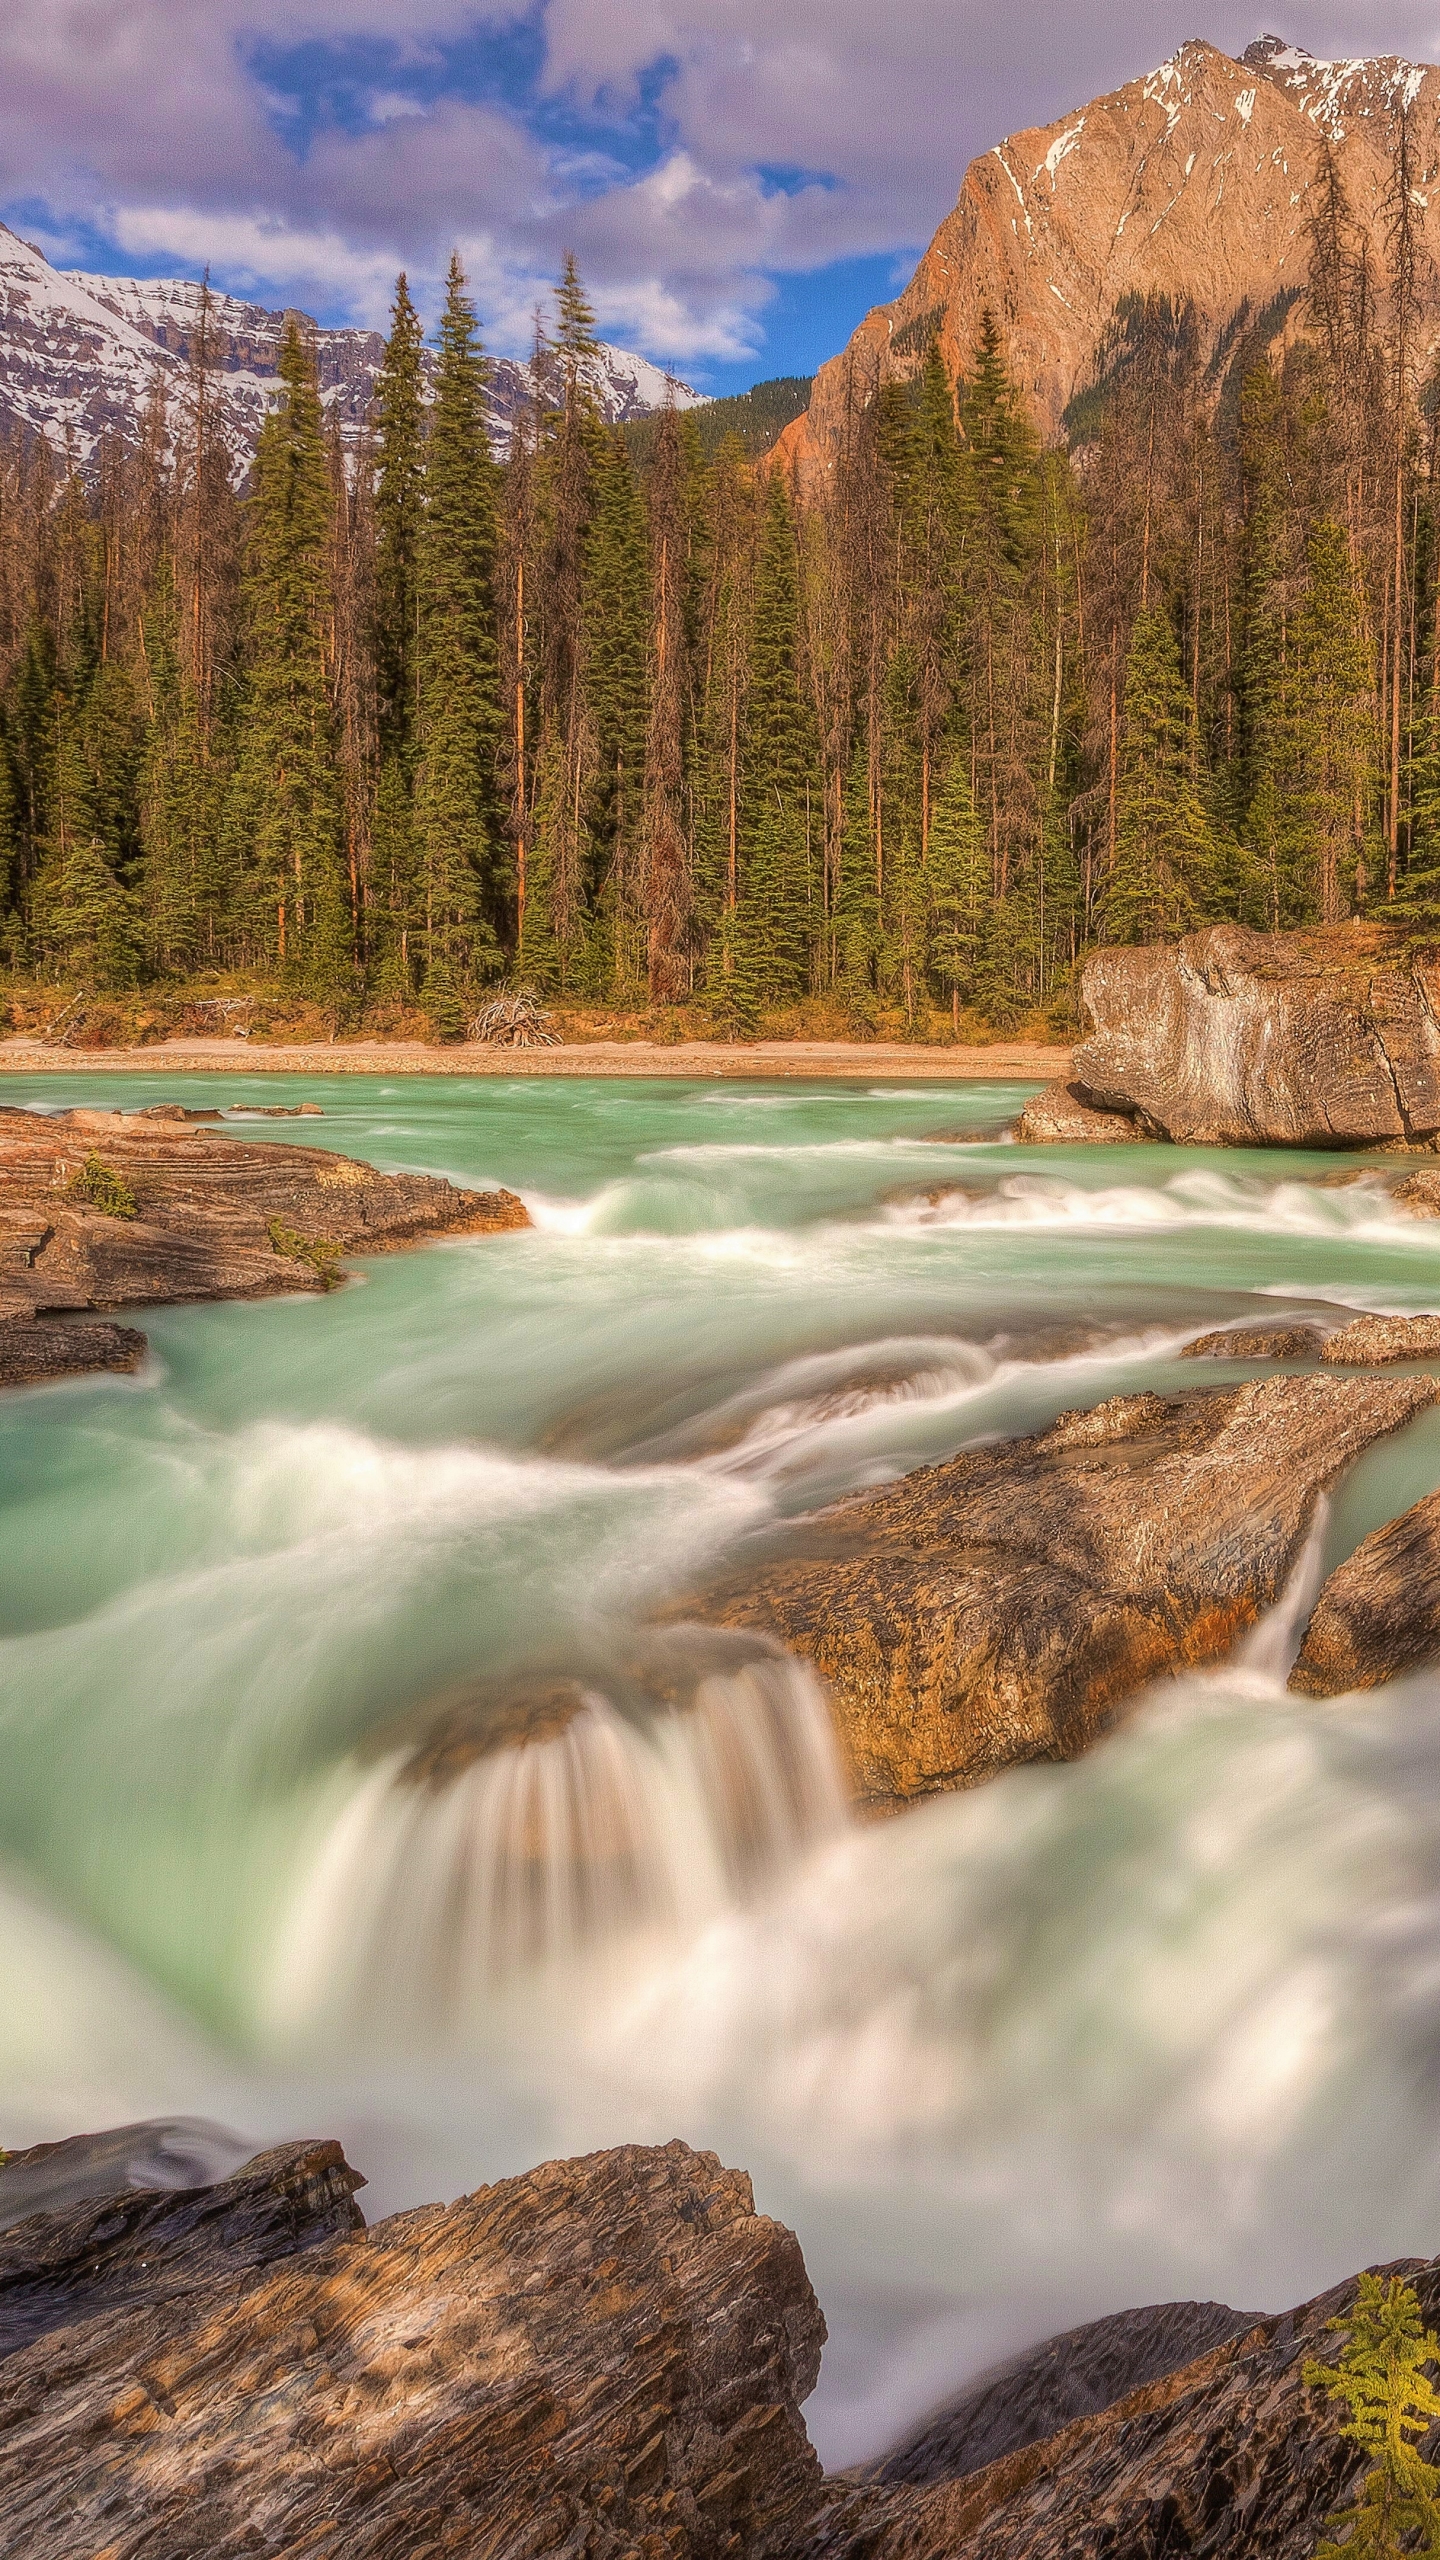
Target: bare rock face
point(1379, 1613)
point(1233, 1038)
point(1032, 2395)
point(1258, 1342)
point(1002, 1607)
point(1420, 1193)
point(604, 2357)
point(1372, 1338)
point(1061, 1117)
point(196, 1215)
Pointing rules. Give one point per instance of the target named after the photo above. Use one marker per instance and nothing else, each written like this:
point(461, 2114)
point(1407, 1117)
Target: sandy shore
point(866, 1059)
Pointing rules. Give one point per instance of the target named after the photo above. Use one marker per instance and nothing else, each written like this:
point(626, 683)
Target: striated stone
point(1234, 1038)
point(1379, 1613)
point(213, 1218)
point(1002, 1607)
point(1382, 1338)
point(1061, 1117)
point(1258, 1342)
point(1420, 1193)
point(604, 2357)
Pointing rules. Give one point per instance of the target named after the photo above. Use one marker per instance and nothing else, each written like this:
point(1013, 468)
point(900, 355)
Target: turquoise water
point(1164, 2022)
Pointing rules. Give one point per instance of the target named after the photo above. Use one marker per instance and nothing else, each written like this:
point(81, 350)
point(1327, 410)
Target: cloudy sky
point(740, 179)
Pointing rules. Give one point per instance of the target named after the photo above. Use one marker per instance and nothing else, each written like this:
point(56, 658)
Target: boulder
point(1032, 2395)
point(1420, 1193)
point(193, 1213)
point(1002, 1607)
point(605, 2356)
point(1381, 1338)
point(1379, 1613)
point(1234, 1038)
point(1258, 1342)
point(1061, 1117)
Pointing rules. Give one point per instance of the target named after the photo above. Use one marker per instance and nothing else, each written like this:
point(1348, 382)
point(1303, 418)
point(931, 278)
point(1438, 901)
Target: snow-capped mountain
point(83, 357)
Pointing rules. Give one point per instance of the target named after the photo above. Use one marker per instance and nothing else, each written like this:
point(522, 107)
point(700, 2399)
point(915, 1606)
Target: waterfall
point(444, 1878)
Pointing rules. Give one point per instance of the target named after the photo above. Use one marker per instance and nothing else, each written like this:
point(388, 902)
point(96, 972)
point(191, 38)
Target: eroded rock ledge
point(602, 2359)
point(1002, 1607)
point(1232, 1038)
point(203, 1216)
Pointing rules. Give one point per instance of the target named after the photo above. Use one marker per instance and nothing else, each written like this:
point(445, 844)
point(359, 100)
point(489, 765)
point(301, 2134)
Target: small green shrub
point(99, 1186)
point(1380, 2379)
point(322, 1256)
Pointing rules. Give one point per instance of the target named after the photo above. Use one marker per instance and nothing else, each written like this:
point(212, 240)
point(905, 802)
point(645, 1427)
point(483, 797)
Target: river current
point(1163, 2023)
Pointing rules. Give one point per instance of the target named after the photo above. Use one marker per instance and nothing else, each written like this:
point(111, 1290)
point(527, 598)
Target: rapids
point(347, 1784)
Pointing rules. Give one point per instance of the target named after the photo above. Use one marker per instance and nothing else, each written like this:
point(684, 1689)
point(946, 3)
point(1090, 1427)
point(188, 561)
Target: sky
point(740, 180)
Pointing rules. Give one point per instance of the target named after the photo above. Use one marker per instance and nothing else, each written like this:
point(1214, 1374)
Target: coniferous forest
point(639, 724)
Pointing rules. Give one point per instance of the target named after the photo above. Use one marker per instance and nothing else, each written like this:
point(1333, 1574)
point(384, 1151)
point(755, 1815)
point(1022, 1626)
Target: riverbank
point(819, 1058)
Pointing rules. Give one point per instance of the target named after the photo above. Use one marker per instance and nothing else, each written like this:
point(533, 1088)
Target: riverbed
point(1165, 2022)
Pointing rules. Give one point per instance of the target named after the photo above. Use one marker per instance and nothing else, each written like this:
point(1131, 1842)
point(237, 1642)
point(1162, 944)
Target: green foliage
point(98, 1186)
point(755, 418)
point(1164, 854)
point(399, 515)
point(1381, 2381)
point(317, 1252)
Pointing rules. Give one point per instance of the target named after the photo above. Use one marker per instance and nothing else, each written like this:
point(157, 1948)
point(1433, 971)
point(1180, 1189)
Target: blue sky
point(740, 179)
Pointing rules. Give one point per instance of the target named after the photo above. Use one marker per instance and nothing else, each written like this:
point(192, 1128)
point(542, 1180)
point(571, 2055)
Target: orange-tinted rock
point(1379, 1613)
point(1061, 1117)
point(1383, 1338)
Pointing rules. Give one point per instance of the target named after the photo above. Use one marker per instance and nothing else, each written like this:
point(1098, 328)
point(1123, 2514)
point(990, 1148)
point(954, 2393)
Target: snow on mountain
point(83, 356)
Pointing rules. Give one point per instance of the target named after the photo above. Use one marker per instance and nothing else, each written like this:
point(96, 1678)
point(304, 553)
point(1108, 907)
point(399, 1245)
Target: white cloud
point(152, 116)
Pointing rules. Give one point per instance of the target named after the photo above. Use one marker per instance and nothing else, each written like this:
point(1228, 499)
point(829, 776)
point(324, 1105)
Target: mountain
point(1193, 182)
point(82, 357)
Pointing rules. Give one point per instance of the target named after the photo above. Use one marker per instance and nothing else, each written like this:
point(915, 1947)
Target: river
point(1162, 2023)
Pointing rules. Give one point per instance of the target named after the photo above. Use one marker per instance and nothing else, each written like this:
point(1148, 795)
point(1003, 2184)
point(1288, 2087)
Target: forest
point(640, 724)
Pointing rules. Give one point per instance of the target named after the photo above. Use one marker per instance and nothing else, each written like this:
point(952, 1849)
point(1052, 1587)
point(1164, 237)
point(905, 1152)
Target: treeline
point(396, 723)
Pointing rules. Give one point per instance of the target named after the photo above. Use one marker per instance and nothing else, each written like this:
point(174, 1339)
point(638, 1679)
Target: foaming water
point(354, 1775)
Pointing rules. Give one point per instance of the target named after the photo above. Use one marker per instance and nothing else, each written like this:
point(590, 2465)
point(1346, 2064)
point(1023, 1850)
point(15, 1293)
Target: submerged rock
point(1383, 1338)
point(1234, 1038)
point(100, 1210)
point(1258, 1342)
point(1002, 1607)
point(1062, 1117)
point(1379, 1613)
point(605, 2356)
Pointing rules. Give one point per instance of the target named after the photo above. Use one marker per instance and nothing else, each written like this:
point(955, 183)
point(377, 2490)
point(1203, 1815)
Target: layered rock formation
point(1379, 1613)
point(1002, 1607)
point(1193, 182)
point(1232, 1038)
point(101, 1209)
point(604, 2357)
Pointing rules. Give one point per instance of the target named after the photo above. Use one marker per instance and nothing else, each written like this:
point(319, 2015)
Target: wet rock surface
point(1379, 1614)
point(200, 1215)
point(1234, 1038)
point(1002, 1607)
point(1061, 1116)
point(1383, 1338)
point(1258, 1342)
point(605, 2356)
point(1034, 2394)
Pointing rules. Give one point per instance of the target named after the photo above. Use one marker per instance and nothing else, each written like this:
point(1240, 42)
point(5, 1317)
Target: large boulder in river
point(1379, 1613)
point(1002, 1607)
point(1233, 1038)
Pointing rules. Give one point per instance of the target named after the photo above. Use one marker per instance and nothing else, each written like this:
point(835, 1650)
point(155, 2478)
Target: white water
point(1162, 2022)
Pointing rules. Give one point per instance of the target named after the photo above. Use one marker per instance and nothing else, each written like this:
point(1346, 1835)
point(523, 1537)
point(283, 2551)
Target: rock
point(1232, 2457)
point(212, 1218)
point(164, 2154)
point(1031, 2396)
point(1420, 1193)
point(603, 2357)
point(1371, 1338)
point(1061, 1117)
point(270, 1111)
point(1002, 1607)
point(1234, 1038)
point(1379, 1613)
point(1258, 1342)
point(139, 2250)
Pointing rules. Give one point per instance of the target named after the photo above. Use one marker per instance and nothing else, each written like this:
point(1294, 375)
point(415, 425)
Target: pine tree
point(82, 916)
point(456, 815)
point(1335, 721)
point(399, 513)
point(1392, 2403)
point(615, 644)
point(666, 887)
point(1163, 848)
point(778, 801)
point(959, 873)
point(286, 801)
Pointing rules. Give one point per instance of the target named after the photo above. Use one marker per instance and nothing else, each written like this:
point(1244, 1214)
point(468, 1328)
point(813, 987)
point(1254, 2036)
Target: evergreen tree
point(615, 643)
point(456, 815)
point(399, 513)
point(959, 871)
point(1334, 722)
point(1163, 849)
point(286, 801)
point(1392, 2403)
point(778, 800)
